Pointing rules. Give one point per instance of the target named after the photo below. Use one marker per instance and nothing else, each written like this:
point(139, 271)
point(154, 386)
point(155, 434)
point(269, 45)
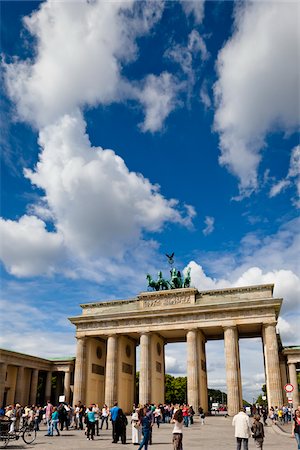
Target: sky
point(135, 129)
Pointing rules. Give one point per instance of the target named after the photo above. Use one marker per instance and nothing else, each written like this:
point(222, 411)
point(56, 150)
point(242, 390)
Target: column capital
point(229, 327)
point(269, 324)
point(195, 329)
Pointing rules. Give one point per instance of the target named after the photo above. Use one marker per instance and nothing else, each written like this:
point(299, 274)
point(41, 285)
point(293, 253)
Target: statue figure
point(163, 284)
point(152, 283)
point(170, 258)
point(176, 280)
point(187, 279)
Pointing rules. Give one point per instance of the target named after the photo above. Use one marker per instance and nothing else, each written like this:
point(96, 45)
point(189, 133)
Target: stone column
point(294, 382)
point(48, 386)
point(67, 379)
point(272, 368)
point(111, 371)
point(3, 370)
point(145, 377)
point(234, 397)
point(192, 370)
point(20, 386)
point(33, 386)
point(80, 372)
point(203, 393)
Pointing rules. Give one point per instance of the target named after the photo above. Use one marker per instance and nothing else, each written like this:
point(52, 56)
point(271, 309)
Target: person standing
point(258, 431)
point(90, 423)
point(185, 413)
point(146, 424)
point(177, 430)
point(136, 431)
point(104, 416)
point(242, 432)
point(121, 424)
point(296, 427)
point(114, 415)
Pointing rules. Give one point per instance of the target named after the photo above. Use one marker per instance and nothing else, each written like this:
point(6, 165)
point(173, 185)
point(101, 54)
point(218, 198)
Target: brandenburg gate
point(108, 333)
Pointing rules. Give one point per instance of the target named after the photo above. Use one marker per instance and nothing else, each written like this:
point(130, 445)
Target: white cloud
point(159, 98)
point(188, 57)
point(272, 260)
point(100, 208)
point(36, 335)
point(287, 285)
point(279, 187)
point(82, 66)
point(27, 248)
point(210, 225)
point(204, 95)
point(258, 85)
point(293, 177)
point(194, 8)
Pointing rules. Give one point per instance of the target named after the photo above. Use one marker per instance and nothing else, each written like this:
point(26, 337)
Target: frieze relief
point(167, 301)
point(175, 318)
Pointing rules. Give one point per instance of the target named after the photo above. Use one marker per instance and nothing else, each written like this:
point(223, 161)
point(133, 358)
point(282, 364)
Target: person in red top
point(296, 427)
point(185, 413)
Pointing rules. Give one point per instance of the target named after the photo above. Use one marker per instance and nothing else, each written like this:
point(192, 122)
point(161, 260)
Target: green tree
point(259, 399)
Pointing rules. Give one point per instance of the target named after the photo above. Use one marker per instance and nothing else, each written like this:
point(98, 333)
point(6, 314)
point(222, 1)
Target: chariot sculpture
point(176, 281)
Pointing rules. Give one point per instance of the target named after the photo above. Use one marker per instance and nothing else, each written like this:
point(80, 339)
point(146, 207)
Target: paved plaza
point(216, 434)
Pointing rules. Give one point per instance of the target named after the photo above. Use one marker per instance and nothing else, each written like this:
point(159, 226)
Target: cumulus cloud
point(257, 90)
point(210, 225)
point(27, 248)
point(80, 67)
point(194, 8)
point(270, 260)
point(100, 208)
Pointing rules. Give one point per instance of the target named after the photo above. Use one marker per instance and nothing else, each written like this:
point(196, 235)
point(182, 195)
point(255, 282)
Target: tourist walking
point(177, 430)
point(157, 415)
point(136, 430)
point(242, 429)
point(258, 431)
point(296, 427)
point(201, 414)
point(48, 414)
point(54, 422)
point(146, 425)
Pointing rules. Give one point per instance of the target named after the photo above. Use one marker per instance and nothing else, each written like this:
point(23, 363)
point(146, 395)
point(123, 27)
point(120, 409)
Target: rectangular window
point(127, 368)
point(158, 367)
point(99, 370)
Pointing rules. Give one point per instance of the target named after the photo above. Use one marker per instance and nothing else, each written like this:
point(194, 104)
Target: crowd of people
point(91, 419)
point(281, 415)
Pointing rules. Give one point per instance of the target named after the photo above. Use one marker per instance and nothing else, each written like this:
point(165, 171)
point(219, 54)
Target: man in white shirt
point(242, 430)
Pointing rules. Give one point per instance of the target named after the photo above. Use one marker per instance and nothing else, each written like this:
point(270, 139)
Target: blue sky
point(134, 129)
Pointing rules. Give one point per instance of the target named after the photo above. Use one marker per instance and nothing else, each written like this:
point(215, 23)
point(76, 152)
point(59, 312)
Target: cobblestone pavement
point(216, 434)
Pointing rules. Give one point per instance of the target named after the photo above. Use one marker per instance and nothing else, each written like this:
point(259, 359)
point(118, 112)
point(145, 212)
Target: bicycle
point(27, 432)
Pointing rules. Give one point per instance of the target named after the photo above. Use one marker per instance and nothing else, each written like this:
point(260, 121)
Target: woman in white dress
point(136, 428)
